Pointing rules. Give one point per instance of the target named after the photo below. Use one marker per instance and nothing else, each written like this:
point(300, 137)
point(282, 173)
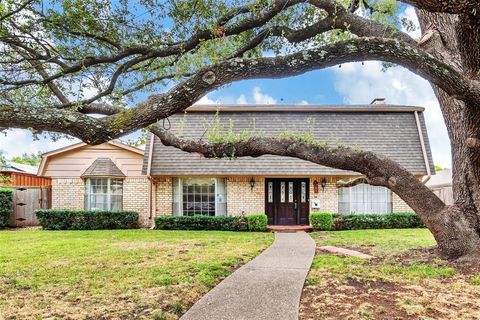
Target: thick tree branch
point(100, 108)
point(470, 7)
point(352, 183)
point(183, 95)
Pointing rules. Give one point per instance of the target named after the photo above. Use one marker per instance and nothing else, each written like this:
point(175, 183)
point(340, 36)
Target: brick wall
point(135, 197)
point(240, 197)
point(328, 197)
point(398, 205)
point(164, 196)
point(68, 193)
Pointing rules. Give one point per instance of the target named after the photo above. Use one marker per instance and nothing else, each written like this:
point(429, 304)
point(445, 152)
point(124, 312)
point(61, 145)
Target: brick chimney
point(378, 101)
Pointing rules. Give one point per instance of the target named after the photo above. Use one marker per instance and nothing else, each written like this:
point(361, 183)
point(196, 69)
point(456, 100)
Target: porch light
point(252, 184)
point(324, 183)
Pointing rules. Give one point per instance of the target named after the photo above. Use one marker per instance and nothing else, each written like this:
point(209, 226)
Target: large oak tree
point(137, 62)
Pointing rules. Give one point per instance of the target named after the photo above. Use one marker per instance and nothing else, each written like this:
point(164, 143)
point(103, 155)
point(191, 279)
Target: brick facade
point(68, 193)
point(398, 205)
point(135, 197)
point(328, 197)
point(242, 199)
point(164, 196)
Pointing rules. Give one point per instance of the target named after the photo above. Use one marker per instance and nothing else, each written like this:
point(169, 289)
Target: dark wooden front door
point(286, 201)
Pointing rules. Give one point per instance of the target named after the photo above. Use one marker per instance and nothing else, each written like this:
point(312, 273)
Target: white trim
point(424, 150)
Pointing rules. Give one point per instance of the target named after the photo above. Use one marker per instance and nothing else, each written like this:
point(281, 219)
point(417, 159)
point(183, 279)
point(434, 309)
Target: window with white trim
point(199, 196)
point(104, 194)
point(364, 198)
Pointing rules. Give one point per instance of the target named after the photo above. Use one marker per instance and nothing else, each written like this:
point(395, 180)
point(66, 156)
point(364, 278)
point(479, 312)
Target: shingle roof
point(388, 130)
point(103, 167)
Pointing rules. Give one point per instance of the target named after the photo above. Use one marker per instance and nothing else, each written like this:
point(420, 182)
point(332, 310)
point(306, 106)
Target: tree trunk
point(457, 42)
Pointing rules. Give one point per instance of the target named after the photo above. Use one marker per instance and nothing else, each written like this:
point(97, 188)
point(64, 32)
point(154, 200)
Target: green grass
point(381, 241)
point(122, 272)
point(387, 245)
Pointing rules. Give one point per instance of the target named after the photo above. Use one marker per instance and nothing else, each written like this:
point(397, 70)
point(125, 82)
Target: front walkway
point(268, 287)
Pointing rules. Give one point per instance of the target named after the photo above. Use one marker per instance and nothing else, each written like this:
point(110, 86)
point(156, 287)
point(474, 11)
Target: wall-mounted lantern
point(315, 186)
point(324, 183)
point(252, 184)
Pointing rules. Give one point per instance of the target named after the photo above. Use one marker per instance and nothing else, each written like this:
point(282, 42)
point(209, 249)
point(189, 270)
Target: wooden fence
point(25, 201)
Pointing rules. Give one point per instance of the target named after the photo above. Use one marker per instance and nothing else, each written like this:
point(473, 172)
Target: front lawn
point(406, 280)
point(115, 274)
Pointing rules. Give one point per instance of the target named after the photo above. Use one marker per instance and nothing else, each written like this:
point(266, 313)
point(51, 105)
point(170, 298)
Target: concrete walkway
point(268, 287)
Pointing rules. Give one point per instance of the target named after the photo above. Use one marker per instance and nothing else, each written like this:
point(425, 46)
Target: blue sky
point(353, 83)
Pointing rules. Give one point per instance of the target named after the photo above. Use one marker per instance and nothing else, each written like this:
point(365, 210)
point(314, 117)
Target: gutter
point(150, 186)
point(424, 150)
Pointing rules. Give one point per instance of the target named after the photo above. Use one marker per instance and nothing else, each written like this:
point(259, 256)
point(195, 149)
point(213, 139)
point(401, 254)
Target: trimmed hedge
point(257, 222)
point(321, 220)
point(201, 223)
point(377, 221)
point(58, 219)
point(6, 206)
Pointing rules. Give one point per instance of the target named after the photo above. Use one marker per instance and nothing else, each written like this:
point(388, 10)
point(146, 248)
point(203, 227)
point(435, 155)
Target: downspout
point(149, 170)
point(424, 150)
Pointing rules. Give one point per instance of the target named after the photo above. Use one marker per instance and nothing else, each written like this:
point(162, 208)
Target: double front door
point(286, 201)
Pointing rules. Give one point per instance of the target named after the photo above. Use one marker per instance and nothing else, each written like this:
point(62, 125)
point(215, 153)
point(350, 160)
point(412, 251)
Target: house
point(166, 181)
point(21, 175)
point(441, 185)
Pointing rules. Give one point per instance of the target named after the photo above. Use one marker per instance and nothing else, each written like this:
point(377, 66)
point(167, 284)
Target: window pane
point(282, 191)
point(199, 196)
point(303, 197)
point(364, 198)
point(290, 191)
point(270, 192)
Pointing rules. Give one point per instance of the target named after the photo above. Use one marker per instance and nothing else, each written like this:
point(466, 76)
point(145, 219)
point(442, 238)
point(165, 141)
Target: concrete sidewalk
point(268, 287)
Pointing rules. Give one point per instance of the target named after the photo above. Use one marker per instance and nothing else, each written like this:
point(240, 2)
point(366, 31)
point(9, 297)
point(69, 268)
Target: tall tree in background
point(32, 159)
point(137, 62)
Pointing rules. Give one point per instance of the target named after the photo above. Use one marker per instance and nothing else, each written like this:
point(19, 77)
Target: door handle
point(295, 206)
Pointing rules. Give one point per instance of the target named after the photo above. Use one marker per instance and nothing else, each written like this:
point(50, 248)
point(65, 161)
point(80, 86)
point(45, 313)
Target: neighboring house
point(22, 175)
point(441, 185)
point(170, 181)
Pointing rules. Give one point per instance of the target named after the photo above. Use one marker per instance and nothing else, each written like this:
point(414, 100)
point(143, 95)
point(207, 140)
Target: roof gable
point(80, 146)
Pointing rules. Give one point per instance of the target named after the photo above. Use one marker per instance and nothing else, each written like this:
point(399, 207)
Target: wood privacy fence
point(25, 201)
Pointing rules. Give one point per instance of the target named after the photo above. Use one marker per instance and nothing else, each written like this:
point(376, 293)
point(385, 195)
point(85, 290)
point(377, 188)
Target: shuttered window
point(199, 196)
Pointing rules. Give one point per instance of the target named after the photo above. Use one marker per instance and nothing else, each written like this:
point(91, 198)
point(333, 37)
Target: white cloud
point(411, 15)
point(360, 84)
point(18, 141)
point(261, 98)
point(206, 100)
point(242, 99)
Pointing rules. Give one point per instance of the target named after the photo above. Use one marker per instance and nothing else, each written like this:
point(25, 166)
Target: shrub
point(321, 220)
point(377, 221)
point(257, 222)
point(201, 223)
point(6, 206)
point(58, 219)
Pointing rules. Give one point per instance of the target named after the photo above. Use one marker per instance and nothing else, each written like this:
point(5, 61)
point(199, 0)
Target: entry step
point(289, 228)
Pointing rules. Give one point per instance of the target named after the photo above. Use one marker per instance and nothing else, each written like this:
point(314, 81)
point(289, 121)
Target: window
point(104, 194)
point(199, 196)
point(364, 198)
